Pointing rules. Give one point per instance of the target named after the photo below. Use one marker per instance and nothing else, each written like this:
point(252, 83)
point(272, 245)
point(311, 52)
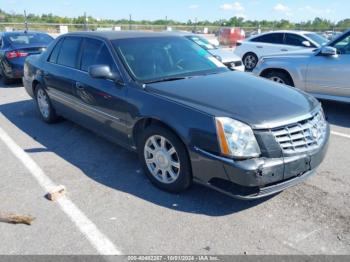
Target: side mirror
point(306, 43)
point(103, 72)
point(328, 51)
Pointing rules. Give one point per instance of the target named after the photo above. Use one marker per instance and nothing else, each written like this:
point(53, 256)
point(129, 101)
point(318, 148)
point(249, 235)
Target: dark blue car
point(188, 117)
point(15, 47)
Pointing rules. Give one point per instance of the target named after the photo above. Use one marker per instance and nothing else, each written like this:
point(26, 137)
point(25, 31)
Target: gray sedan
point(323, 72)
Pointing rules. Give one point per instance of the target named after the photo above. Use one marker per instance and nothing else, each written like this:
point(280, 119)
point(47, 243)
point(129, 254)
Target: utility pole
point(130, 22)
point(85, 22)
point(25, 21)
point(166, 22)
point(195, 24)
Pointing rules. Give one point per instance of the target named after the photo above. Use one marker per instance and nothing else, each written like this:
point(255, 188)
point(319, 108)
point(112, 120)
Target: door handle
point(284, 50)
point(259, 46)
point(79, 86)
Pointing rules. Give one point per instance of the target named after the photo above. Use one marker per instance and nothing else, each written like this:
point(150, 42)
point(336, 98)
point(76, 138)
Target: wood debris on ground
point(56, 193)
point(16, 219)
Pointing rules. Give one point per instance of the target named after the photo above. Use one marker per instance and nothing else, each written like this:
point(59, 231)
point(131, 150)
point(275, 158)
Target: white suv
point(276, 42)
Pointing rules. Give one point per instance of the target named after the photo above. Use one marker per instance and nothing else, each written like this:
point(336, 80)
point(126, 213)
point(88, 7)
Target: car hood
point(258, 102)
point(225, 55)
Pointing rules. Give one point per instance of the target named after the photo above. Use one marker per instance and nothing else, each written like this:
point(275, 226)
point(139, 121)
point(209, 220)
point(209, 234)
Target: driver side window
point(95, 52)
point(343, 46)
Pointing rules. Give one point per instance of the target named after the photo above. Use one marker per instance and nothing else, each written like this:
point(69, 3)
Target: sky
point(183, 10)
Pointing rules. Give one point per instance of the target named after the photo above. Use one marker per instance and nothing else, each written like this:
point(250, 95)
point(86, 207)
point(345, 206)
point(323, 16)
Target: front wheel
point(280, 77)
point(165, 160)
point(250, 60)
point(46, 111)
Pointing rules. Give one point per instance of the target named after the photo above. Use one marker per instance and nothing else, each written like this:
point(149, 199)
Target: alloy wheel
point(277, 79)
point(250, 62)
point(162, 159)
point(43, 103)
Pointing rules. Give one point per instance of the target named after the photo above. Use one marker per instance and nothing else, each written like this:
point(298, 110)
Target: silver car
point(323, 72)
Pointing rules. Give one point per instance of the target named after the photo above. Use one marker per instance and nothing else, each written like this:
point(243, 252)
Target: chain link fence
point(56, 29)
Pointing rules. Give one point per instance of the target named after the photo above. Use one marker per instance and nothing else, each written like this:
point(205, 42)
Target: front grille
point(302, 136)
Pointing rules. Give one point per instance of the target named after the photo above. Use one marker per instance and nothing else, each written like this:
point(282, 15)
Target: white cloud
point(281, 8)
point(193, 6)
point(236, 6)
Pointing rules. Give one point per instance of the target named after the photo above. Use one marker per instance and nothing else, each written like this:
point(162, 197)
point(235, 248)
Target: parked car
point(324, 72)
point(15, 47)
point(187, 115)
point(331, 35)
point(270, 43)
point(230, 36)
point(214, 41)
point(228, 58)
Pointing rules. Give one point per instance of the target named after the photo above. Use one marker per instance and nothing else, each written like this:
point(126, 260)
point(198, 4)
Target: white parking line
point(340, 134)
point(97, 239)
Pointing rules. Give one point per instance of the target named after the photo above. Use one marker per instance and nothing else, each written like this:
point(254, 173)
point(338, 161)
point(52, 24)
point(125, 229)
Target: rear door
point(100, 101)
point(268, 44)
point(60, 75)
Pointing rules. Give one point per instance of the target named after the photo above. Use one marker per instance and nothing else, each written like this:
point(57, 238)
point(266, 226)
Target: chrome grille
point(303, 136)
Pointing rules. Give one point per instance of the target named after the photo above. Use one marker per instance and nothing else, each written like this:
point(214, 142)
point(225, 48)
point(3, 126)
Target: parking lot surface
point(117, 204)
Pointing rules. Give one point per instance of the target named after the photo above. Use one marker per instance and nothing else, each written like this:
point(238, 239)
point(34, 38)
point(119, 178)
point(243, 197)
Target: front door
point(100, 101)
point(329, 75)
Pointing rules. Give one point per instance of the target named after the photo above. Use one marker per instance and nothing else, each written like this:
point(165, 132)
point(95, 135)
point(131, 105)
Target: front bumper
point(255, 178)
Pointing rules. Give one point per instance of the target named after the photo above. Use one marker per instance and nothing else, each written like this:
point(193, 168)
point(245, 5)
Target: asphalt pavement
point(118, 204)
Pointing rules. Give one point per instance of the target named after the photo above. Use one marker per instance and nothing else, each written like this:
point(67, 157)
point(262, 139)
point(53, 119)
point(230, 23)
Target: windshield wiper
point(167, 79)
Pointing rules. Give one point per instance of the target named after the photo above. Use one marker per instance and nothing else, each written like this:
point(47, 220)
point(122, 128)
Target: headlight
point(236, 139)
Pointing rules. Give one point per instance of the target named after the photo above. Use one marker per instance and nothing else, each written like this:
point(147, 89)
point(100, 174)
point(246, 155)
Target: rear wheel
point(280, 77)
point(165, 160)
point(250, 61)
point(6, 80)
point(46, 111)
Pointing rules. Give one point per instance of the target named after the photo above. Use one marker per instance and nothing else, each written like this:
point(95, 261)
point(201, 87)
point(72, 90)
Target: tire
point(280, 77)
point(6, 80)
point(250, 60)
point(171, 178)
point(44, 106)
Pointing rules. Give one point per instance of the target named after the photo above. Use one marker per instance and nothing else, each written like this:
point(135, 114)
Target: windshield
point(22, 38)
point(202, 42)
point(318, 39)
point(155, 58)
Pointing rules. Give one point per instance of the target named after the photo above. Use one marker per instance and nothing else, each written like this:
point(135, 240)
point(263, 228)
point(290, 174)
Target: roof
point(178, 33)
point(288, 31)
point(113, 35)
point(22, 31)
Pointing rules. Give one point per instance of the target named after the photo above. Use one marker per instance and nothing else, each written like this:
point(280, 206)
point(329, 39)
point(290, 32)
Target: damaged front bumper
point(255, 178)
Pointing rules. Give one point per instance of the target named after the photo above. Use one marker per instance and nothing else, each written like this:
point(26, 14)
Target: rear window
point(29, 39)
point(275, 38)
